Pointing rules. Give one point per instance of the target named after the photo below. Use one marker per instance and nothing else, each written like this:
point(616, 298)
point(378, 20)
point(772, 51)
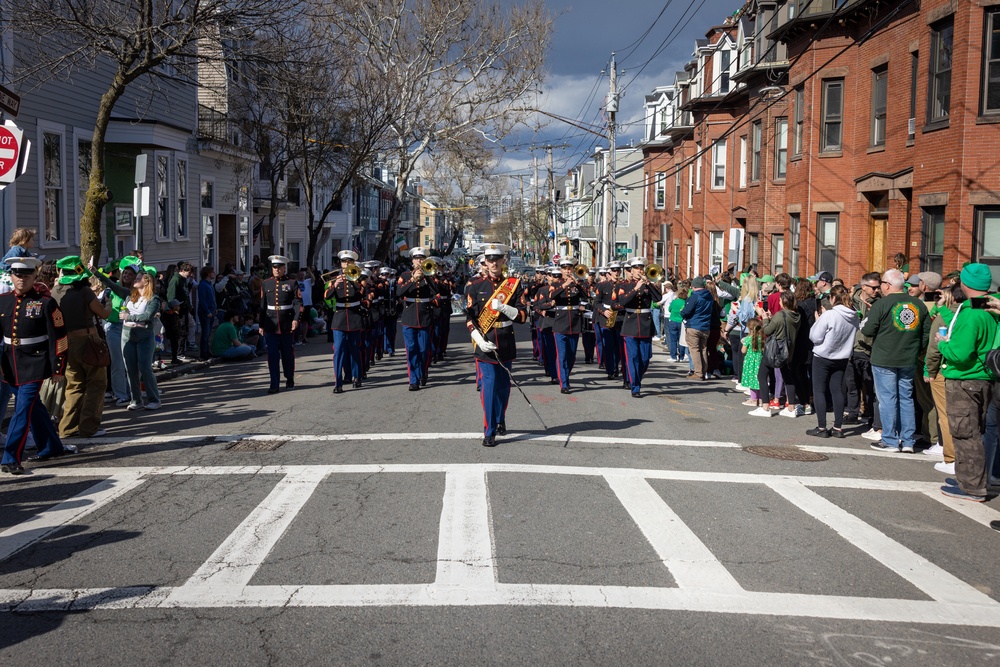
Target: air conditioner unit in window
point(911, 126)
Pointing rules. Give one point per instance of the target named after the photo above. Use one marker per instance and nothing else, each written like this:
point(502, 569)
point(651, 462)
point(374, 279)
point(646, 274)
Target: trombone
point(581, 271)
point(654, 273)
point(352, 272)
point(429, 267)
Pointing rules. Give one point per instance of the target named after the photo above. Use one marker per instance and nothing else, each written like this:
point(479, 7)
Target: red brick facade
point(858, 186)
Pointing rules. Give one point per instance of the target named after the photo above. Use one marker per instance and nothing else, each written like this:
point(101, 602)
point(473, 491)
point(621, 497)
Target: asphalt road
point(370, 527)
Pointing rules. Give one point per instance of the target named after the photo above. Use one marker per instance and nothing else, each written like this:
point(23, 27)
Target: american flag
point(357, 249)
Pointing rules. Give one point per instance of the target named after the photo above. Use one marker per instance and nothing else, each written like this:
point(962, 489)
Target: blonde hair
point(147, 288)
point(22, 236)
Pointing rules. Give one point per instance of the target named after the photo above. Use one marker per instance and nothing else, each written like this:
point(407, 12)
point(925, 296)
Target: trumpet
point(429, 267)
point(581, 271)
point(654, 273)
point(352, 273)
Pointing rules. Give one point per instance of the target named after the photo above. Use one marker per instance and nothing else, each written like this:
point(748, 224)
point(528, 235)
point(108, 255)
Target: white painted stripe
point(236, 560)
point(929, 578)
point(368, 469)
point(866, 451)
point(978, 512)
point(688, 559)
point(18, 537)
point(465, 545)
point(607, 597)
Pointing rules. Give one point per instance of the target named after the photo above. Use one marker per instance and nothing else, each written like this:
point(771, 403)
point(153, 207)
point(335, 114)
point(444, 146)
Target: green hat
point(977, 277)
point(767, 279)
point(73, 270)
point(151, 270)
point(129, 262)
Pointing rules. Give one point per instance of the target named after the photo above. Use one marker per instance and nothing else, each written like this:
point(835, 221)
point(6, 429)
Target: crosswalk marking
point(69, 511)
point(466, 566)
point(565, 439)
point(688, 559)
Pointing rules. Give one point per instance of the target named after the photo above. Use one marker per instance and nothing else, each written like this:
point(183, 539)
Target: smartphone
point(978, 302)
point(932, 296)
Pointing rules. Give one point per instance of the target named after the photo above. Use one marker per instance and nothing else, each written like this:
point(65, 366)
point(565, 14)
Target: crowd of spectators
point(907, 361)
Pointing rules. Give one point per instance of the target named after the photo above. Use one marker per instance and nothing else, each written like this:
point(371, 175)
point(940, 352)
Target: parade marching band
point(608, 308)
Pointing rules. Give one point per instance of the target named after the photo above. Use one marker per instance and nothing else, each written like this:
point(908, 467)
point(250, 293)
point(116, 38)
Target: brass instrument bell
point(429, 267)
point(654, 273)
point(352, 272)
point(581, 271)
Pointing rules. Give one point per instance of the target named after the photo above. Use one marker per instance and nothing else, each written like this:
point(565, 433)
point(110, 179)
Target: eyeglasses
point(883, 282)
point(872, 286)
point(22, 273)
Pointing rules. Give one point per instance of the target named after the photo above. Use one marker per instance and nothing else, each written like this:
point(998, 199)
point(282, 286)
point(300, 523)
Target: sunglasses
point(22, 273)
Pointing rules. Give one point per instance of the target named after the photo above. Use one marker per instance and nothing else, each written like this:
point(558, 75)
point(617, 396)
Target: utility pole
point(534, 201)
point(552, 217)
point(610, 207)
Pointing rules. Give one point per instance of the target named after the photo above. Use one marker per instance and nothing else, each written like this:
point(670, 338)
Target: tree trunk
point(97, 190)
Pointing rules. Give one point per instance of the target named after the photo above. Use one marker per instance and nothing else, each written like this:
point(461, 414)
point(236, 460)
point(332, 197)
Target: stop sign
point(10, 152)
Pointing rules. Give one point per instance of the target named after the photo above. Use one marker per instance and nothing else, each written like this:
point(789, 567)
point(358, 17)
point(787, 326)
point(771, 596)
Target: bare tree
point(139, 42)
point(459, 69)
point(459, 175)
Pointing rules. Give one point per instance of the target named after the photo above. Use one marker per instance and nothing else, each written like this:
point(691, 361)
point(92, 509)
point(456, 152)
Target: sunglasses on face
point(22, 273)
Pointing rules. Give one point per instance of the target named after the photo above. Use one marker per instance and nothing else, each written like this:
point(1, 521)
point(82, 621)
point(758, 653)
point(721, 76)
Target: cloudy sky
point(586, 32)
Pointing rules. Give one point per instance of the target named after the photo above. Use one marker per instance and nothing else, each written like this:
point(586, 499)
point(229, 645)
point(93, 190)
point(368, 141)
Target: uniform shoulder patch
point(57, 318)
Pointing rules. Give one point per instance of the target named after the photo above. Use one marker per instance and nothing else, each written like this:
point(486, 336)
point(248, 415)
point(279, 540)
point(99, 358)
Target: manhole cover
point(785, 453)
point(254, 445)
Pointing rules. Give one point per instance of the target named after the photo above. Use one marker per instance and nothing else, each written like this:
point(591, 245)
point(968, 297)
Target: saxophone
point(488, 316)
point(610, 321)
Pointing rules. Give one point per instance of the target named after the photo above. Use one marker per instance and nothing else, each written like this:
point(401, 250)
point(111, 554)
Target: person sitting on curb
point(226, 341)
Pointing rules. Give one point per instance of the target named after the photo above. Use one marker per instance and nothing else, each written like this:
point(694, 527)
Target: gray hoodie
point(833, 333)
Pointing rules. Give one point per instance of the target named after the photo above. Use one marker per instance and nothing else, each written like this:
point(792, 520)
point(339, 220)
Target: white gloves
point(484, 345)
point(500, 307)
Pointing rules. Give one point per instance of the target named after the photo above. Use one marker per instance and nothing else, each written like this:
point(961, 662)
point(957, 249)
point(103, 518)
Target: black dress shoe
point(490, 441)
point(564, 390)
point(626, 385)
point(41, 458)
point(414, 387)
point(18, 469)
point(995, 525)
point(601, 366)
point(357, 384)
point(272, 390)
point(818, 432)
point(289, 384)
point(636, 394)
point(851, 421)
point(338, 390)
point(553, 381)
point(423, 382)
point(502, 428)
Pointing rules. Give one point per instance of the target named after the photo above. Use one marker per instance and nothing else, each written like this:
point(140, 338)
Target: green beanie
point(977, 277)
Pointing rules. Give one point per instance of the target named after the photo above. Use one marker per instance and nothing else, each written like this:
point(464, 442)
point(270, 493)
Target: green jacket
point(971, 335)
point(932, 360)
point(901, 328)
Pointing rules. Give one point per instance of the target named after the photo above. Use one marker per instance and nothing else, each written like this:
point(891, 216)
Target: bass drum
point(588, 321)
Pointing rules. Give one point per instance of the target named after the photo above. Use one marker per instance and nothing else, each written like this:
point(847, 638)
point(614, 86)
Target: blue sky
point(586, 32)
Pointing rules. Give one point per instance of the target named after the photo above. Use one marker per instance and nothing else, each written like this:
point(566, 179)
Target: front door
point(876, 243)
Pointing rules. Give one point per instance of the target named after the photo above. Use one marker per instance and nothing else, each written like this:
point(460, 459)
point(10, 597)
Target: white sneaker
point(936, 450)
point(134, 406)
point(99, 433)
point(946, 468)
point(872, 434)
point(122, 402)
point(788, 413)
point(740, 387)
point(153, 405)
point(905, 449)
point(733, 379)
point(761, 412)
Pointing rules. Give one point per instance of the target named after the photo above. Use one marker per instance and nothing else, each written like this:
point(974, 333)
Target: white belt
point(412, 300)
point(606, 306)
point(26, 341)
point(352, 304)
point(638, 310)
point(501, 325)
point(288, 307)
point(562, 307)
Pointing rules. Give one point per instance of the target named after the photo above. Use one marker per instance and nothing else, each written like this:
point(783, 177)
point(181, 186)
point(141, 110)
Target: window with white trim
point(697, 168)
point(182, 203)
point(939, 93)
point(780, 147)
point(990, 95)
point(880, 90)
point(755, 131)
point(832, 115)
point(800, 114)
point(743, 161)
point(52, 192)
point(826, 242)
point(719, 165)
point(677, 188)
point(690, 186)
point(661, 190)
point(162, 197)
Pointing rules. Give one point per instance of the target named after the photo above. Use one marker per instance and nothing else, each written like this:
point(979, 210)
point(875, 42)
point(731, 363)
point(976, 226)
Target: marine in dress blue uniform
point(347, 324)
point(496, 346)
point(611, 352)
point(564, 302)
point(35, 346)
point(547, 343)
point(390, 311)
point(419, 296)
point(633, 298)
point(280, 306)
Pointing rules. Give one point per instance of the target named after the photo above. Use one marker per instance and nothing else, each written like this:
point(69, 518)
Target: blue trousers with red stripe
point(346, 347)
point(494, 395)
point(565, 345)
point(610, 350)
point(549, 353)
point(418, 352)
point(30, 412)
point(638, 352)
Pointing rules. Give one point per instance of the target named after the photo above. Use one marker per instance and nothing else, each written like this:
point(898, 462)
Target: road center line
point(690, 562)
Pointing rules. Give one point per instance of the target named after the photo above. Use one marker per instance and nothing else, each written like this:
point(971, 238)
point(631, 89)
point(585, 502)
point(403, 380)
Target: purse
point(96, 352)
point(775, 352)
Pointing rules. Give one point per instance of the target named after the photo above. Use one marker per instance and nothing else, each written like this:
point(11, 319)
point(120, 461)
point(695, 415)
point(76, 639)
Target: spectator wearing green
point(226, 342)
point(118, 292)
point(968, 386)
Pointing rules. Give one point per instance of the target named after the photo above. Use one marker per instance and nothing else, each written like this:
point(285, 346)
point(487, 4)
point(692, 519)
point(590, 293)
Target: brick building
point(853, 131)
